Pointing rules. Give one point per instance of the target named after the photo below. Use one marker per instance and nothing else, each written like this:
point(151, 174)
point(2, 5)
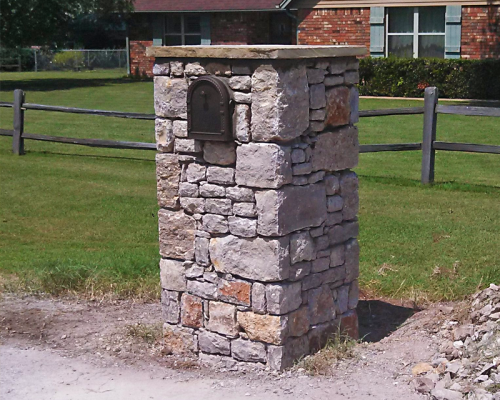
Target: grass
point(83, 220)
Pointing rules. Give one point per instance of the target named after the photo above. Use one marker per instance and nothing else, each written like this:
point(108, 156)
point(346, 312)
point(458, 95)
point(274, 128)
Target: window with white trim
point(182, 29)
point(416, 32)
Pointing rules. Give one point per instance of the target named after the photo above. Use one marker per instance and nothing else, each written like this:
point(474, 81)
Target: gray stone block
point(180, 129)
point(244, 209)
point(342, 300)
point(259, 298)
point(205, 290)
point(320, 305)
point(164, 135)
point(170, 306)
point(336, 151)
point(242, 122)
point(315, 75)
point(282, 298)
point(298, 156)
point(299, 270)
point(222, 319)
point(332, 185)
point(219, 206)
point(176, 231)
point(211, 190)
point(242, 98)
point(161, 69)
point(219, 153)
point(352, 260)
point(170, 98)
point(243, 83)
point(243, 227)
point(188, 189)
point(177, 68)
point(301, 247)
point(168, 173)
point(195, 173)
point(316, 177)
point(220, 175)
point(242, 194)
point(246, 350)
point(334, 203)
point(302, 169)
point(172, 275)
point(282, 357)
point(352, 302)
point(193, 205)
point(321, 264)
point(337, 255)
point(213, 343)
point(334, 80)
point(201, 254)
point(187, 146)
point(215, 223)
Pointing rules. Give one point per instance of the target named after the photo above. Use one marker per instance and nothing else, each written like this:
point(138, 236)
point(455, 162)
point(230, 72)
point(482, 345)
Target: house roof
point(204, 5)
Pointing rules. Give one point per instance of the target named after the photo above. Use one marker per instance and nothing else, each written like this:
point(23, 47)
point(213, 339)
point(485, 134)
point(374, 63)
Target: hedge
point(458, 79)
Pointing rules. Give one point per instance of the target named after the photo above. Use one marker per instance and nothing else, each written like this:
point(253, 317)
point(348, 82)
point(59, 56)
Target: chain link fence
point(62, 60)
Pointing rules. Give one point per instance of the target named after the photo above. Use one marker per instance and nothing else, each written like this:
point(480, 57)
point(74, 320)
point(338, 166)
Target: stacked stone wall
point(258, 235)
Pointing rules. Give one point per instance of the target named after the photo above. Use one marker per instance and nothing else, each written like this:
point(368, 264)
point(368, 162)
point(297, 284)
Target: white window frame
point(415, 33)
point(182, 33)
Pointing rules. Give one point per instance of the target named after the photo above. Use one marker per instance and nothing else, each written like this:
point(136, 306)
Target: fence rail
point(428, 146)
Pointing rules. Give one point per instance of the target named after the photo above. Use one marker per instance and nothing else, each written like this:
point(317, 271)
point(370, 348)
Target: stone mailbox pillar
point(258, 233)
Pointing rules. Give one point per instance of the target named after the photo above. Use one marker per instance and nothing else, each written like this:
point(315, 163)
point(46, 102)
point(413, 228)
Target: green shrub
point(11, 57)
point(69, 60)
point(459, 79)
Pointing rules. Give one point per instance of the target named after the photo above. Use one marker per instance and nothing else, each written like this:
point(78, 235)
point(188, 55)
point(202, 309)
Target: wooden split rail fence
point(428, 146)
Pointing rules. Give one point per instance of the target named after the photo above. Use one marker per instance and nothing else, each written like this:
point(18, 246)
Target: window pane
point(401, 20)
point(192, 24)
point(401, 46)
point(192, 39)
point(173, 23)
point(173, 40)
point(431, 19)
point(431, 46)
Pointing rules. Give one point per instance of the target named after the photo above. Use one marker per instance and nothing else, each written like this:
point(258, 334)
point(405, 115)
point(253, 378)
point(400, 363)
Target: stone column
point(258, 235)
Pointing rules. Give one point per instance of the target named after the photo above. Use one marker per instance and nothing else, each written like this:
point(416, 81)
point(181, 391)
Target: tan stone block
point(264, 328)
point(168, 174)
point(222, 318)
point(177, 234)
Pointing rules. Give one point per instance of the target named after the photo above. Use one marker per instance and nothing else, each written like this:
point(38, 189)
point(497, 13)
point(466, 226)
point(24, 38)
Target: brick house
point(404, 28)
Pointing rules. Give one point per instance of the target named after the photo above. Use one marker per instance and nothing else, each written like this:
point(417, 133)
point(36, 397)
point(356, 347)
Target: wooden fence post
point(429, 134)
point(17, 138)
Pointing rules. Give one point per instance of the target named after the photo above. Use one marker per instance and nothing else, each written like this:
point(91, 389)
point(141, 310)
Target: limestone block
point(168, 174)
point(243, 83)
point(315, 75)
point(244, 209)
point(191, 311)
point(301, 247)
point(281, 298)
point(180, 129)
point(195, 173)
point(217, 68)
point(299, 270)
point(259, 298)
point(280, 103)
point(242, 98)
point(211, 190)
point(181, 340)
point(334, 80)
point(215, 223)
point(290, 209)
point(177, 68)
point(213, 343)
point(192, 205)
point(188, 189)
point(282, 357)
point(205, 290)
point(235, 291)
point(187, 146)
point(245, 350)
point(336, 151)
point(170, 97)
point(352, 260)
point(164, 135)
point(317, 115)
point(298, 156)
point(320, 305)
point(201, 254)
point(172, 275)
point(242, 122)
point(219, 206)
point(263, 327)
point(219, 153)
point(195, 271)
point(194, 69)
point(170, 306)
point(332, 185)
point(334, 203)
point(243, 227)
point(298, 322)
point(240, 194)
point(338, 110)
point(222, 318)
point(220, 175)
point(161, 69)
point(337, 255)
point(237, 256)
point(263, 165)
point(317, 96)
point(176, 231)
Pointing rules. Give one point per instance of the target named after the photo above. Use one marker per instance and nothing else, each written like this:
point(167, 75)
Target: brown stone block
point(191, 311)
point(338, 109)
point(336, 151)
point(349, 324)
point(298, 322)
point(236, 292)
point(222, 318)
point(264, 328)
point(179, 340)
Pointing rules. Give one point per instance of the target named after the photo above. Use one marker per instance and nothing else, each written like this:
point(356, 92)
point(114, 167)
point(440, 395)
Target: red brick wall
point(334, 26)
point(139, 63)
point(480, 32)
point(240, 28)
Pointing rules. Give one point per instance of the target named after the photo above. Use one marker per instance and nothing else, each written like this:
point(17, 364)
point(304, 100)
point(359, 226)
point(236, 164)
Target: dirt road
point(52, 349)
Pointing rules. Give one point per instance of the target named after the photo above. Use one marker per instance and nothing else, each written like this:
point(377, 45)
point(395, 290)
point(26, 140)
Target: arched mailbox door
point(209, 110)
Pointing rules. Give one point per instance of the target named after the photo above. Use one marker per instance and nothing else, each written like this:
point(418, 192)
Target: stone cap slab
point(256, 52)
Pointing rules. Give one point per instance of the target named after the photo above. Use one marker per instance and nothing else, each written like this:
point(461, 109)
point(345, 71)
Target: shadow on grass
point(446, 186)
point(378, 319)
point(48, 85)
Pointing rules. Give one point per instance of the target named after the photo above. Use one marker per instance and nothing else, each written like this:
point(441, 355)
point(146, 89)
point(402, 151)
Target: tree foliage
point(43, 22)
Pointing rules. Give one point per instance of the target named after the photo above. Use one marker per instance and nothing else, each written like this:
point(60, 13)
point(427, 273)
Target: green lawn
point(79, 218)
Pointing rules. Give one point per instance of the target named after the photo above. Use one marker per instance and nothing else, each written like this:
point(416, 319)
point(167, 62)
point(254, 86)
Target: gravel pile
point(468, 363)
